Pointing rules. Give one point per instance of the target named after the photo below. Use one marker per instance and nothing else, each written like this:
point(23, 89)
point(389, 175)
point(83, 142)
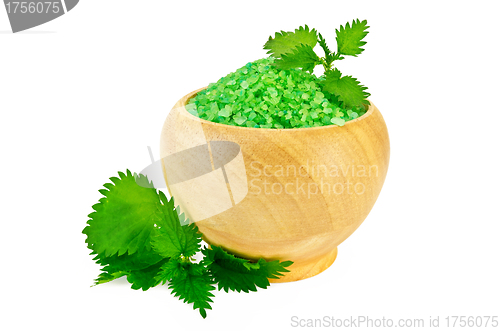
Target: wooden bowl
point(286, 194)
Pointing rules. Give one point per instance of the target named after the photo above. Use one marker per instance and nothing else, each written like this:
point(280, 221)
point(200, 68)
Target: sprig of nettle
point(295, 50)
point(137, 232)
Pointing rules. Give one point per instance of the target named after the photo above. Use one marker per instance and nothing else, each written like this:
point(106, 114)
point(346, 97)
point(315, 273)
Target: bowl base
point(308, 269)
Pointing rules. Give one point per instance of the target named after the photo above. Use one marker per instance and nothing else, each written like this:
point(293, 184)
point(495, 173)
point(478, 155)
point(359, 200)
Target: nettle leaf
point(171, 238)
point(347, 89)
point(302, 56)
point(127, 262)
point(285, 42)
point(138, 233)
point(329, 56)
point(145, 278)
point(124, 219)
point(106, 277)
point(119, 231)
point(333, 75)
point(349, 39)
point(194, 285)
point(132, 265)
point(237, 274)
point(274, 269)
point(173, 268)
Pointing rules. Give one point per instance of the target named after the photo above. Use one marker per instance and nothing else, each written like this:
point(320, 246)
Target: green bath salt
point(259, 95)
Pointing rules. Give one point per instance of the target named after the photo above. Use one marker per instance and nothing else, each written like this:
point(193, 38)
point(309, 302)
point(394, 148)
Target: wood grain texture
point(308, 189)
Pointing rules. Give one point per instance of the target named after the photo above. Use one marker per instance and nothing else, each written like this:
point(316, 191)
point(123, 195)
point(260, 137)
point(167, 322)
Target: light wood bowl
point(292, 222)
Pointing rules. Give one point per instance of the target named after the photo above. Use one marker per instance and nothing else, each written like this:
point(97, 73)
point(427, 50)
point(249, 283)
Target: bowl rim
point(184, 100)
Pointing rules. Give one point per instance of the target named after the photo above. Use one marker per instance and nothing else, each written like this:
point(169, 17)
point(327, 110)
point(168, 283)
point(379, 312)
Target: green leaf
point(274, 269)
point(173, 268)
point(237, 274)
point(194, 285)
point(347, 89)
point(124, 219)
point(302, 56)
point(145, 278)
point(329, 56)
point(119, 231)
point(127, 262)
point(333, 75)
point(171, 239)
point(106, 277)
point(138, 267)
point(349, 39)
point(286, 42)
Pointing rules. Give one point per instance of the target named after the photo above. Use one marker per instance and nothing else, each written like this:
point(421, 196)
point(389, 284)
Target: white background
point(83, 96)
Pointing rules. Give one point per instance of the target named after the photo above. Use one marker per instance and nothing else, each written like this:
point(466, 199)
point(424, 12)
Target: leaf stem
point(322, 60)
point(326, 65)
